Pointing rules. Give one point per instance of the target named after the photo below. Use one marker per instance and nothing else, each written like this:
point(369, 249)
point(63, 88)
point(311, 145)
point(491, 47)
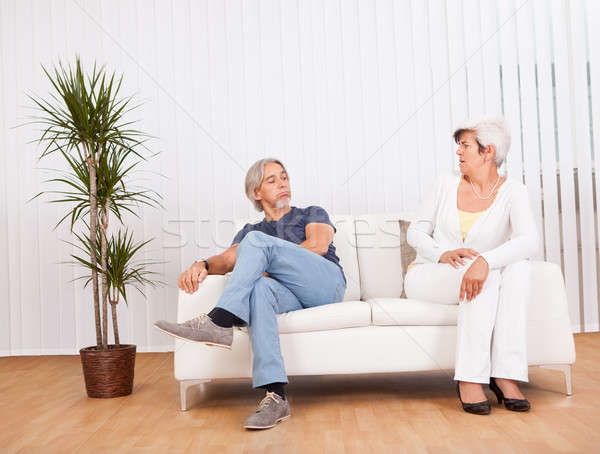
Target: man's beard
point(282, 203)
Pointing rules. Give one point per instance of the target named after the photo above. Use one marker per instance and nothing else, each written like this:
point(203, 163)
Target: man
point(284, 263)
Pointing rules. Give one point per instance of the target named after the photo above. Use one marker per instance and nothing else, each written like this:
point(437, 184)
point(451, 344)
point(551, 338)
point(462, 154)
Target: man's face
point(275, 187)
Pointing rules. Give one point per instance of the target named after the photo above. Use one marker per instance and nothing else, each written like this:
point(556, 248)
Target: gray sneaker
point(198, 329)
point(270, 411)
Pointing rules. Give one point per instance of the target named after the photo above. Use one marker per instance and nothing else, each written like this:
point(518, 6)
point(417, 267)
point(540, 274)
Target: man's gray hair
point(489, 131)
point(254, 178)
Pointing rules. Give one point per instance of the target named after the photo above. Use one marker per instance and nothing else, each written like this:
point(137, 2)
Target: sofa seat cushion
point(346, 314)
point(407, 312)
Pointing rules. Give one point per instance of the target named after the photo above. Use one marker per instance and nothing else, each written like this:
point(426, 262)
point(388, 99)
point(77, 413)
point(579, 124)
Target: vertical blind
point(358, 98)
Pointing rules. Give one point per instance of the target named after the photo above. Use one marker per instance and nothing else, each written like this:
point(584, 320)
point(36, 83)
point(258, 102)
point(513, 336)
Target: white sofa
point(373, 330)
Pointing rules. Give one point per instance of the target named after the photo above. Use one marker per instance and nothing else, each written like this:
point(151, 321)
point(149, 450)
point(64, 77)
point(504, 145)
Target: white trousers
point(491, 330)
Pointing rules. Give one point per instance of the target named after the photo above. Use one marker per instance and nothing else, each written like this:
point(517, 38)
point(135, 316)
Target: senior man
point(284, 263)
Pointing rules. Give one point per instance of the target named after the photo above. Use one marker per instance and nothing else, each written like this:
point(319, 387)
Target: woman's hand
point(473, 279)
point(192, 277)
point(455, 257)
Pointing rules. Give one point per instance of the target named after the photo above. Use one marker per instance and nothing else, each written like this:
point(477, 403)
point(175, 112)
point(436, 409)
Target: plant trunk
point(113, 307)
point(103, 227)
point(93, 228)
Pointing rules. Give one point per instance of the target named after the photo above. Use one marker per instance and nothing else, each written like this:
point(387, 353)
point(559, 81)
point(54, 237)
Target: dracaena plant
point(123, 269)
point(84, 119)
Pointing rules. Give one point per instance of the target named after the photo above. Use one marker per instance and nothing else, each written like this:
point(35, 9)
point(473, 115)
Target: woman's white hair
point(254, 178)
point(489, 131)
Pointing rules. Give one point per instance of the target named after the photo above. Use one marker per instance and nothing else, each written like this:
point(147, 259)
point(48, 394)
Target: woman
point(473, 234)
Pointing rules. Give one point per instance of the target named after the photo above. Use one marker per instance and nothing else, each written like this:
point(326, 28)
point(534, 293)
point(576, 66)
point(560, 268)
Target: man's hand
point(455, 257)
point(473, 279)
point(192, 277)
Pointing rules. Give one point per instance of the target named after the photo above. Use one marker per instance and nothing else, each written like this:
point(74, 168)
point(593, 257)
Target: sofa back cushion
point(379, 254)
point(345, 248)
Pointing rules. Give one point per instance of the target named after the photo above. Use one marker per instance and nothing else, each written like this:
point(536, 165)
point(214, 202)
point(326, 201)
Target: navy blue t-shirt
point(292, 227)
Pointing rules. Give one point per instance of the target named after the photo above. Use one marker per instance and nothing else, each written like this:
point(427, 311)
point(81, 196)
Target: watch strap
point(205, 263)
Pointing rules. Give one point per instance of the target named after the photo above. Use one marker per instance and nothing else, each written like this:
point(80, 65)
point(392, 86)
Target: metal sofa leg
point(565, 369)
point(184, 385)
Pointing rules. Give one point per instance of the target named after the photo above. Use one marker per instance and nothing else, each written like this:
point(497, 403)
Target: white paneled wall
point(359, 99)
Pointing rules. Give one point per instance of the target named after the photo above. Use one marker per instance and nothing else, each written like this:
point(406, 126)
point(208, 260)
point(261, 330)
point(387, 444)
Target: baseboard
point(40, 352)
point(75, 351)
point(156, 349)
point(587, 328)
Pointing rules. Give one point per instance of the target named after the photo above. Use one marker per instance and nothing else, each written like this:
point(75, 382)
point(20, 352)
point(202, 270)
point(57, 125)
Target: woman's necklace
point(491, 192)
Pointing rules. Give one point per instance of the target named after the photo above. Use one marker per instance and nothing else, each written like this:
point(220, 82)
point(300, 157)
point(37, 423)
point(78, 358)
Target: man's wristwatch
point(205, 264)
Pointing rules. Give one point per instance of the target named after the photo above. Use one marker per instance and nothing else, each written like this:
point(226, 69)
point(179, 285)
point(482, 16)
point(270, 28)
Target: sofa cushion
point(345, 248)
point(401, 311)
point(379, 256)
point(346, 314)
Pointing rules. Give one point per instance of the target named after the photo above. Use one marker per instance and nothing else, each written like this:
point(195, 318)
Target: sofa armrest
point(549, 296)
point(550, 335)
point(203, 299)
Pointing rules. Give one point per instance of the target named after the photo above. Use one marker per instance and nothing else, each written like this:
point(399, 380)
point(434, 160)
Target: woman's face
point(469, 157)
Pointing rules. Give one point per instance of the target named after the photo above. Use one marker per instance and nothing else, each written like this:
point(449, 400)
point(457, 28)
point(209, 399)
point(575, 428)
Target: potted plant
point(109, 371)
point(84, 121)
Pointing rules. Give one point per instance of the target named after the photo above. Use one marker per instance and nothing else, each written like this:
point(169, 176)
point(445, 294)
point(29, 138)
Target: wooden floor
point(45, 409)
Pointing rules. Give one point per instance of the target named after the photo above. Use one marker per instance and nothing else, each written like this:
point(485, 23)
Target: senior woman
point(473, 235)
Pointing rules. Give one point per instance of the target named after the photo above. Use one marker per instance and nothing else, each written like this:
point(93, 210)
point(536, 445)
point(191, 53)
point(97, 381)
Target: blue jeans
point(299, 279)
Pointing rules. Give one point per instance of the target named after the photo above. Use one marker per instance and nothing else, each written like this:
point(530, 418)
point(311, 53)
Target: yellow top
point(467, 220)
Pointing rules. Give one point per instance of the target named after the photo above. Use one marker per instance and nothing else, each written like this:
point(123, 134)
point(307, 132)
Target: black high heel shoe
point(477, 408)
point(510, 404)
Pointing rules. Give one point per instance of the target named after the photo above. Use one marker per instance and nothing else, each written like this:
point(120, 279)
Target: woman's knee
point(433, 282)
point(520, 270)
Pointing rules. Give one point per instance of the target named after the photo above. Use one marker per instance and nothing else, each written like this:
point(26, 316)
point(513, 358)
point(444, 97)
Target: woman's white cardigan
point(505, 233)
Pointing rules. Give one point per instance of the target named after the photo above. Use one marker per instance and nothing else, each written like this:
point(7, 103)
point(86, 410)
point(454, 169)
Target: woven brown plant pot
point(108, 373)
